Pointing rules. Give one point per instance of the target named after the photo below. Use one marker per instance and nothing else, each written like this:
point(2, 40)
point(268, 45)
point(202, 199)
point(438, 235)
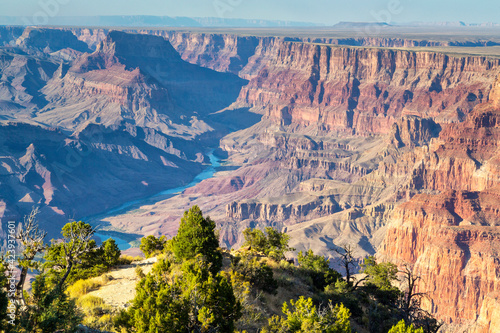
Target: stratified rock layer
point(451, 234)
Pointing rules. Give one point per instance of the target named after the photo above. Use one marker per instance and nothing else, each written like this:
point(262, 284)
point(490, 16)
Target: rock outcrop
point(150, 86)
point(366, 90)
point(451, 234)
point(50, 40)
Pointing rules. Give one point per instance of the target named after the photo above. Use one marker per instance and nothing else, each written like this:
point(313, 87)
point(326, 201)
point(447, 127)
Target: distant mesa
point(346, 25)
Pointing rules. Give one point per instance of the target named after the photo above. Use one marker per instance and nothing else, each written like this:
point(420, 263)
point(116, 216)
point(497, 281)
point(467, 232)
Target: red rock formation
point(366, 90)
point(452, 239)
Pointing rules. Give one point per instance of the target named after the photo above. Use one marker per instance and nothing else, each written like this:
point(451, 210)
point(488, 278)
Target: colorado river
point(131, 205)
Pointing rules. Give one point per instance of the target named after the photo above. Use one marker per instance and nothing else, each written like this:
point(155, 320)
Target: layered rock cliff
point(366, 90)
point(150, 86)
point(451, 234)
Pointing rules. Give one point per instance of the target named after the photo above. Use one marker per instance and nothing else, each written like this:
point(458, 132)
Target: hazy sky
point(319, 11)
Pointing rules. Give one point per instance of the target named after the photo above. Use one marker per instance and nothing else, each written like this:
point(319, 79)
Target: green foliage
point(318, 268)
point(152, 246)
point(49, 309)
point(92, 262)
point(255, 271)
point(110, 252)
point(273, 243)
point(196, 236)
point(402, 328)
point(4, 300)
point(381, 275)
point(303, 316)
point(195, 300)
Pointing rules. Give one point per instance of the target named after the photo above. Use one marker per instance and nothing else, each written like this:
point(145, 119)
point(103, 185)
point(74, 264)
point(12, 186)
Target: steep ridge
point(151, 86)
point(366, 90)
point(22, 76)
point(50, 40)
point(246, 55)
point(450, 233)
point(8, 35)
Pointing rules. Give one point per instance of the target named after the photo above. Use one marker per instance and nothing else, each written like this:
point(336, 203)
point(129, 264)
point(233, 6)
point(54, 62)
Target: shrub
point(127, 260)
point(196, 236)
point(256, 272)
point(97, 314)
point(82, 287)
point(318, 269)
point(303, 316)
point(152, 246)
point(139, 272)
point(273, 243)
point(402, 328)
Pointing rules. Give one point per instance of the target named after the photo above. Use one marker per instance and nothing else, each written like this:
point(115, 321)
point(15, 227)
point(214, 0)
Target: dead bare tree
point(347, 261)
point(31, 241)
point(411, 301)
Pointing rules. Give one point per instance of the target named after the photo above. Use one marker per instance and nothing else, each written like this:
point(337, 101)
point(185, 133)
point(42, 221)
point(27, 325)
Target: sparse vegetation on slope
point(197, 287)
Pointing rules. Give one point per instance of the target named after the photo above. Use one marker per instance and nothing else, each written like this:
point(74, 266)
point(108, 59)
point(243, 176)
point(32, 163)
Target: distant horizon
point(208, 21)
point(318, 12)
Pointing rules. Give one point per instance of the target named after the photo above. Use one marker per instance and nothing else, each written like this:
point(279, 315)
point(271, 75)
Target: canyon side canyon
point(389, 144)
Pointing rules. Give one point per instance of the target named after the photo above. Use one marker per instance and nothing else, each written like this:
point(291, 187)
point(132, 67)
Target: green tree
point(256, 239)
point(194, 301)
point(303, 316)
point(273, 243)
point(76, 250)
point(402, 328)
point(196, 236)
point(318, 268)
point(159, 305)
point(110, 252)
point(49, 309)
point(4, 300)
point(255, 271)
point(187, 293)
point(381, 275)
point(152, 246)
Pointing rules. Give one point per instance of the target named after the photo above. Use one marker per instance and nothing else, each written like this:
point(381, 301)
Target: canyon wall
point(366, 90)
point(450, 233)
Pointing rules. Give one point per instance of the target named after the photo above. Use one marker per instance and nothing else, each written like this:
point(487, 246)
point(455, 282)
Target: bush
point(49, 310)
point(82, 287)
point(196, 236)
point(110, 252)
point(273, 243)
point(127, 260)
point(303, 316)
point(152, 246)
point(259, 274)
point(318, 269)
point(97, 314)
point(139, 272)
point(402, 328)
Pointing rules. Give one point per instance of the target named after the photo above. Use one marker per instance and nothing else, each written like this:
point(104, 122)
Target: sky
point(316, 11)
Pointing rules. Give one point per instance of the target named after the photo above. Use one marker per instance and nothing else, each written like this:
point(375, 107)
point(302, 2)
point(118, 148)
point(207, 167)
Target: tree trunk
point(68, 270)
point(20, 286)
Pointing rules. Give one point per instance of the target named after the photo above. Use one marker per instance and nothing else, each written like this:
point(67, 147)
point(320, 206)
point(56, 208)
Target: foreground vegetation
point(197, 287)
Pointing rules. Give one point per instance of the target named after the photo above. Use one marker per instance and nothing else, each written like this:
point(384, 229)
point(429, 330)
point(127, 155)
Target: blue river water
point(205, 174)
